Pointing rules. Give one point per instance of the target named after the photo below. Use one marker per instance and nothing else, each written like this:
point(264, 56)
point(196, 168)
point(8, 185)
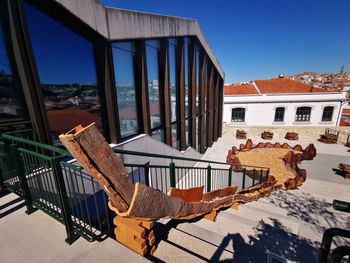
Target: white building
point(281, 102)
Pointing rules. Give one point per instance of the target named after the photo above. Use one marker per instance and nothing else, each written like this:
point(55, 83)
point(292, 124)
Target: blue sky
point(263, 38)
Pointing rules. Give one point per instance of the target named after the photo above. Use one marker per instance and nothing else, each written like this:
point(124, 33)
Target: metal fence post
point(253, 177)
point(243, 179)
point(66, 211)
point(261, 175)
point(208, 178)
point(18, 164)
point(230, 177)
point(146, 169)
point(172, 174)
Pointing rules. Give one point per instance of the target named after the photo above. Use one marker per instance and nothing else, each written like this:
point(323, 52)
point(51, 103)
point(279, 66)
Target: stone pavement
point(288, 223)
point(40, 238)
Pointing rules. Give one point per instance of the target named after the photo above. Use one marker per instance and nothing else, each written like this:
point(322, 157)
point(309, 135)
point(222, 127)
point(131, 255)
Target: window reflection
point(66, 67)
point(123, 58)
point(11, 105)
point(172, 76)
point(186, 68)
point(152, 57)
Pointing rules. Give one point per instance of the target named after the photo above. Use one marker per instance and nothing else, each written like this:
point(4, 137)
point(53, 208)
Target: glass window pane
point(174, 136)
point(186, 69)
point(158, 135)
point(172, 77)
point(12, 106)
point(303, 114)
point(67, 73)
point(152, 57)
point(238, 114)
point(197, 80)
point(327, 113)
point(123, 59)
point(279, 114)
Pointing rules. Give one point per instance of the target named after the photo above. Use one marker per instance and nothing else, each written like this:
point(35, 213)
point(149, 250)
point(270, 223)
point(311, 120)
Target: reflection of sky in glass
point(125, 86)
point(4, 61)
point(153, 87)
point(61, 55)
point(172, 76)
point(186, 68)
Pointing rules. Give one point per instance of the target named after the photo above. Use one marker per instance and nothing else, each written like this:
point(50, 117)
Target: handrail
point(14, 123)
point(120, 151)
point(37, 144)
point(164, 156)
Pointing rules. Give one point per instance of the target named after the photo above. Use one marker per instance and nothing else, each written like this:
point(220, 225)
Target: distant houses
point(281, 102)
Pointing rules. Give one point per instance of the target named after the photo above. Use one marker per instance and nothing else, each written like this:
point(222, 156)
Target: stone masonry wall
point(279, 132)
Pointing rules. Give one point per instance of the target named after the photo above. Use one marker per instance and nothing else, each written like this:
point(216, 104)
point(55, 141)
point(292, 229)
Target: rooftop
point(273, 86)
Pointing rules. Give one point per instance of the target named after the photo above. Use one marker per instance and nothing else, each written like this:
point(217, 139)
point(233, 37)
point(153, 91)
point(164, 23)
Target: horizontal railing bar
point(14, 123)
point(42, 156)
point(37, 144)
point(164, 156)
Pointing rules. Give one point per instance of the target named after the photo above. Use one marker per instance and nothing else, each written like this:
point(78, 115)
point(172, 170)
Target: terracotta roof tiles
point(240, 89)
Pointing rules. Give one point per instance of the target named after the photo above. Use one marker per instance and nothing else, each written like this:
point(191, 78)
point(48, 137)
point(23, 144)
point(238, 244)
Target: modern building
point(64, 63)
point(281, 102)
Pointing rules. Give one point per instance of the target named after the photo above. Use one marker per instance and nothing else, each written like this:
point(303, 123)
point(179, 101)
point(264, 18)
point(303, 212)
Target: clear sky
point(263, 38)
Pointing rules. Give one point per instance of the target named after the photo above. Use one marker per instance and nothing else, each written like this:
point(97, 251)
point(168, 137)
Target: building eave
point(119, 24)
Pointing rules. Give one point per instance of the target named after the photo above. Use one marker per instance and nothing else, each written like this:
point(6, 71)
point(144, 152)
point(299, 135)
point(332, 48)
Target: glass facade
point(12, 106)
point(327, 114)
point(66, 68)
point(303, 114)
point(172, 77)
point(123, 60)
point(76, 76)
point(154, 94)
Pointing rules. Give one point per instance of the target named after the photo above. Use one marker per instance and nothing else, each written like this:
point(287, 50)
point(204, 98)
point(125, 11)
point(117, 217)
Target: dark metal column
point(140, 74)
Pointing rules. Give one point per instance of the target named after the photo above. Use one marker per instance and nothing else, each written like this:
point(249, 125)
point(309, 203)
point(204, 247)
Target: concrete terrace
point(288, 223)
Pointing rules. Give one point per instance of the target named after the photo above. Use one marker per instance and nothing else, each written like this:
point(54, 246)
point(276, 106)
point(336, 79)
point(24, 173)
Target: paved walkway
point(40, 238)
point(288, 223)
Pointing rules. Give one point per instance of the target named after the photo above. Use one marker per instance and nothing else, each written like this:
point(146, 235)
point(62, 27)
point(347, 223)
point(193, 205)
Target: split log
point(266, 135)
point(241, 134)
point(293, 136)
point(328, 138)
point(139, 201)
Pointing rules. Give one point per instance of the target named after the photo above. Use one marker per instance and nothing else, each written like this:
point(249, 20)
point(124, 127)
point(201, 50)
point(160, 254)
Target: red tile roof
point(273, 86)
point(282, 85)
point(240, 89)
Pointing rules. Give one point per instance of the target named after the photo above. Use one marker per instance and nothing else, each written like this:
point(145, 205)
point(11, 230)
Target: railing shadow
point(20, 204)
point(275, 238)
point(272, 236)
point(317, 212)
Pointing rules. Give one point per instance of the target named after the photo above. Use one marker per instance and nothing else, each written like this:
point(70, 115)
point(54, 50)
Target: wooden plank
point(134, 243)
point(147, 224)
point(212, 216)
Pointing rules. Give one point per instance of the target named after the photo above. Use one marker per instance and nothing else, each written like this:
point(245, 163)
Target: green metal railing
point(49, 179)
point(163, 177)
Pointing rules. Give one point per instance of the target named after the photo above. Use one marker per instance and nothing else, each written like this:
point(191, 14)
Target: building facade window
point(123, 61)
point(197, 96)
point(67, 72)
point(154, 89)
point(303, 114)
point(327, 114)
point(238, 115)
point(279, 114)
point(173, 50)
point(12, 105)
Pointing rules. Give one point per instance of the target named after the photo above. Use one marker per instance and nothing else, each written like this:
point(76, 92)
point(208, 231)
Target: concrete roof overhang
point(118, 24)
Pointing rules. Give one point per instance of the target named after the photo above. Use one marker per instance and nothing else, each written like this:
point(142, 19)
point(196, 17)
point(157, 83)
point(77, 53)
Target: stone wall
point(279, 132)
